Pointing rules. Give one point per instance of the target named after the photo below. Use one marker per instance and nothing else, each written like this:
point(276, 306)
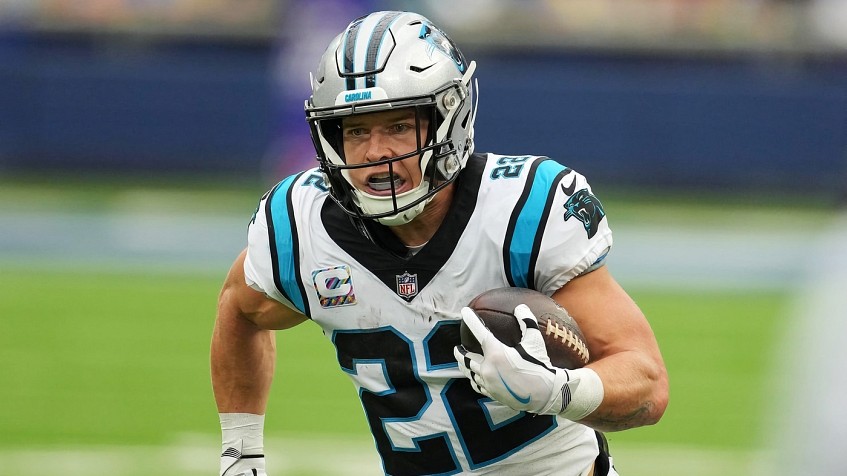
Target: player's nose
point(378, 148)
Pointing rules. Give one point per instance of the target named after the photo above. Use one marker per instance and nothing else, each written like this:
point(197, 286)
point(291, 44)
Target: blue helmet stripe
point(374, 45)
point(349, 46)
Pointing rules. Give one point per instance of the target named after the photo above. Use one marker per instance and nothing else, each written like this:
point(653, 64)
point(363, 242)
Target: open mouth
point(381, 184)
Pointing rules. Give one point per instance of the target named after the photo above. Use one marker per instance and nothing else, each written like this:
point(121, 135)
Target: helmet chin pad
point(405, 217)
point(406, 206)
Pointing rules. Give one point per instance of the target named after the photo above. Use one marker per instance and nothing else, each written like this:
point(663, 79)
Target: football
point(562, 336)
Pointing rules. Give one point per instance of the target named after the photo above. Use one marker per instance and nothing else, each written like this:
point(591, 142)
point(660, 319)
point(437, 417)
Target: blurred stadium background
point(137, 135)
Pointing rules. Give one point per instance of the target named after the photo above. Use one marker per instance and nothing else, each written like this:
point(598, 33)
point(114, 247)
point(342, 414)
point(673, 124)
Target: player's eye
point(400, 128)
point(354, 132)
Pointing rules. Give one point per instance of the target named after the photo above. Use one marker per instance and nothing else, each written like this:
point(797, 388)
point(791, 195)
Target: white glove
point(242, 445)
point(243, 466)
point(522, 377)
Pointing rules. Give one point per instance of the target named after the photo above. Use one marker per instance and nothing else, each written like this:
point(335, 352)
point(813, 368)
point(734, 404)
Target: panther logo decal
point(586, 208)
point(438, 40)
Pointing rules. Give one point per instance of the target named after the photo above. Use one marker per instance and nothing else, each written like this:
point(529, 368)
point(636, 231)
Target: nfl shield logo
point(407, 285)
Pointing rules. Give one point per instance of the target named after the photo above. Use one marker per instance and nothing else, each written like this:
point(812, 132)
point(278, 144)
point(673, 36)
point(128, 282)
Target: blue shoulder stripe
point(282, 232)
point(523, 236)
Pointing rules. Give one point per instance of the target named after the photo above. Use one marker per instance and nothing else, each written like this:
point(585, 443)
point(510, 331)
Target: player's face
point(382, 135)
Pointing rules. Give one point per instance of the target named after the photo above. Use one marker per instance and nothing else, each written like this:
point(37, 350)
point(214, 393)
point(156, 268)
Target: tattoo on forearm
point(610, 421)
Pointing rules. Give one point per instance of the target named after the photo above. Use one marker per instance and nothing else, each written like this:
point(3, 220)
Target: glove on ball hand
point(522, 376)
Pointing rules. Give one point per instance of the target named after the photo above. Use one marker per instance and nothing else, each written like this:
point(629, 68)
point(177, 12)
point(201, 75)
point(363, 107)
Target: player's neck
point(423, 227)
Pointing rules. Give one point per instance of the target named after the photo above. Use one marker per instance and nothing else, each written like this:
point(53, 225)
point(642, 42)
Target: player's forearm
point(635, 392)
point(242, 364)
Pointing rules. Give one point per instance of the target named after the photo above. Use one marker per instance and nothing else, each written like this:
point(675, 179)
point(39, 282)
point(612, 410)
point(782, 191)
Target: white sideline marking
point(333, 456)
point(807, 430)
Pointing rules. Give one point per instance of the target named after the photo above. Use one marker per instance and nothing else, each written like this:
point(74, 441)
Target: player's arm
point(243, 353)
point(243, 348)
point(624, 386)
point(624, 352)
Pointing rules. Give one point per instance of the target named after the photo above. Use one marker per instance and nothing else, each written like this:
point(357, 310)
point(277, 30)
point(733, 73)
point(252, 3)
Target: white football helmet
point(384, 61)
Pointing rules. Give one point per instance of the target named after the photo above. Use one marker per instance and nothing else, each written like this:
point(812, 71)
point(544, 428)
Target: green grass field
point(104, 358)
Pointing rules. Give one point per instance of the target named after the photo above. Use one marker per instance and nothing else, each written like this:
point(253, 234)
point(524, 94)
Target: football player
point(386, 241)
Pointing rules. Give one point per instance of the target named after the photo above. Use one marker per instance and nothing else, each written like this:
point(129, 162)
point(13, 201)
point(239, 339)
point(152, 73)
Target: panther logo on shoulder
point(586, 208)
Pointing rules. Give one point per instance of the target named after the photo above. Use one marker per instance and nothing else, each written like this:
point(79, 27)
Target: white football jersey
point(393, 318)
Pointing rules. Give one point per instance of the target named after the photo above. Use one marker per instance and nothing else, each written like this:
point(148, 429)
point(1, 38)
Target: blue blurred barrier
point(83, 103)
point(765, 123)
point(645, 120)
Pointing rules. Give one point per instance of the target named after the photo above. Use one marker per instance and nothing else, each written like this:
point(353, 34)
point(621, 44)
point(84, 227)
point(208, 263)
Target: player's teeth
point(383, 182)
